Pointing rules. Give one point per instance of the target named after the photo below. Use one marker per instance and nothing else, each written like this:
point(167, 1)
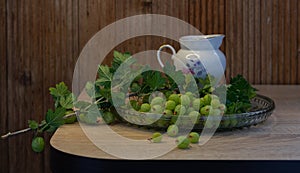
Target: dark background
point(40, 42)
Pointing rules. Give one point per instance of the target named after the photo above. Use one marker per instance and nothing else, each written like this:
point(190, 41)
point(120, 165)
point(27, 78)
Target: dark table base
point(62, 162)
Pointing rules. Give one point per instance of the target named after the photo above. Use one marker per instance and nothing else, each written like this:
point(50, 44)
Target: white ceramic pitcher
point(199, 54)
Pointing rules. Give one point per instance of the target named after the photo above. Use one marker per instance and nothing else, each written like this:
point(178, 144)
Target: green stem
point(15, 133)
point(43, 125)
point(95, 102)
point(43, 128)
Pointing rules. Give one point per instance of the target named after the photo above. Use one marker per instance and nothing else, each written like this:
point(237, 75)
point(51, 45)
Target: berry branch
point(9, 134)
point(141, 97)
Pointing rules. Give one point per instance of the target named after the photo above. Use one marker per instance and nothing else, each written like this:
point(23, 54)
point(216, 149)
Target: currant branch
point(9, 134)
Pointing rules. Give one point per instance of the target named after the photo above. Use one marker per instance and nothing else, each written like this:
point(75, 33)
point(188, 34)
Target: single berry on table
point(182, 142)
point(156, 137)
point(172, 130)
point(194, 137)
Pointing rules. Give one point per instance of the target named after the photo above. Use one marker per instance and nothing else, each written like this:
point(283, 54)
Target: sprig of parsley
point(239, 95)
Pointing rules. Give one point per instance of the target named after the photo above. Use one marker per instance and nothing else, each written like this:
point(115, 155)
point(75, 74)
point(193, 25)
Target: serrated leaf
point(239, 94)
point(104, 76)
point(90, 89)
point(127, 55)
point(126, 73)
point(61, 89)
point(118, 59)
point(92, 114)
point(55, 119)
point(81, 104)
point(176, 76)
point(53, 92)
point(120, 99)
point(106, 93)
point(67, 102)
point(33, 124)
point(103, 83)
point(93, 111)
point(154, 79)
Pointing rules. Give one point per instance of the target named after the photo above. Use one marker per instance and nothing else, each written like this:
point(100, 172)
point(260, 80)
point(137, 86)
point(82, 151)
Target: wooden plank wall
point(263, 40)
point(40, 42)
point(3, 89)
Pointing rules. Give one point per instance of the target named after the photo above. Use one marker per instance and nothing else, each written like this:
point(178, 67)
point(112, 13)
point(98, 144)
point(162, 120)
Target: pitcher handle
point(159, 50)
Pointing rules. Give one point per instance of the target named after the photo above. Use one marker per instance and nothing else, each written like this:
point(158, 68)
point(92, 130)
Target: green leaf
point(127, 73)
point(176, 76)
point(51, 129)
point(55, 119)
point(118, 59)
point(61, 89)
point(33, 124)
point(90, 89)
point(120, 99)
point(67, 102)
point(92, 115)
point(93, 111)
point(104, 76)
point(106, 93)
point(154, 79)
point(190, 84)
point(221, 91)
point(81, 104)
point(239, 95)
point(127, 55)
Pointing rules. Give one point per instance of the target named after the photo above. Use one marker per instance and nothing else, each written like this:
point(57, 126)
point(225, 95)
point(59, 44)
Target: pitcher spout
point(201, 42)
point(215, 40)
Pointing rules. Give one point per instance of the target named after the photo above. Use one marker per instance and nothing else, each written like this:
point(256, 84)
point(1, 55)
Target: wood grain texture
point(40, 42)
point(281, 42)
point(279, 133)
point(93, 16)
point(294, 19)
point(275, 41)
point(208, 16)
point(264, 48)
point(298, 43)
point(176, 8)
point(4, 164)
point(287, 42)
point(229, 38)
point(20, 82)
point(127, 8)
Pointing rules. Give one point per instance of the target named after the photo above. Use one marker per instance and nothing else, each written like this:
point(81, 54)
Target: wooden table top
point(278, 138)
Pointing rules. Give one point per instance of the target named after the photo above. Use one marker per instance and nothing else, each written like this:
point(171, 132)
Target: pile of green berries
point(184, 104)
point(174, 105)
point(182, 142)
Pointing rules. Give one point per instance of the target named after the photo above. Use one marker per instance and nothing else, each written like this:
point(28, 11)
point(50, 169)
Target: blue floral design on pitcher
point(196, 67)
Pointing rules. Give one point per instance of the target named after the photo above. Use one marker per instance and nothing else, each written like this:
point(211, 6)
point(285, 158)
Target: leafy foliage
point(172, 74)
point(67, 101)
point(60, 92)
point(118, 59)
point(154, 80)
point(139, 81)
point(33, 124)
point(239, 94)
point(54, 119)
point(104, 76)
